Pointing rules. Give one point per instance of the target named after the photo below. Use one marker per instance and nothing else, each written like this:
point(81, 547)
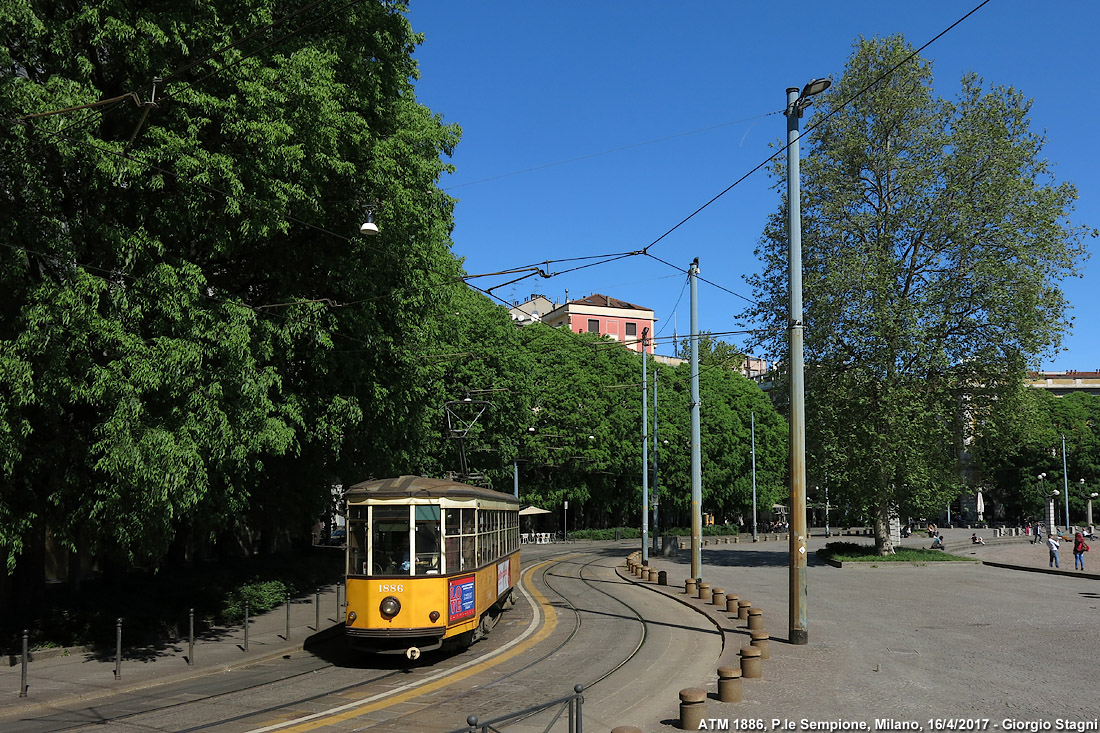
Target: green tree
point(192, 336)
point(934, 241)
point(729, 402)
point(1021, 437)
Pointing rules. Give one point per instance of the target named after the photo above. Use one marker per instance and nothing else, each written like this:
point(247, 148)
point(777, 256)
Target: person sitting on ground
point(976, 540)
point(937, 544)
point(931, 529)
point(906, 531)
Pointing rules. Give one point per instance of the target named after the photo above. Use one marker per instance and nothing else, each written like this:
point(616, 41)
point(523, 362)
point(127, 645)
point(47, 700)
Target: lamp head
point(815, 86)
point(368, 227)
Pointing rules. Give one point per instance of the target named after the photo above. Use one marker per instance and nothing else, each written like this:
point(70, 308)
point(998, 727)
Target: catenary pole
point(696, 457)
point(656, 486)
point(645, 454)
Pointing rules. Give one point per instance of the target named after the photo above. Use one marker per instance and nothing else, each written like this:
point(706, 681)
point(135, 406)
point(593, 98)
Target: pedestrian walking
point(1052, 542)
point(1079, 550)
point(1038, 533)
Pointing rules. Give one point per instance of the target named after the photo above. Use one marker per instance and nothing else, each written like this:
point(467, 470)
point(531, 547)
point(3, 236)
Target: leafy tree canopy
point(934, 240)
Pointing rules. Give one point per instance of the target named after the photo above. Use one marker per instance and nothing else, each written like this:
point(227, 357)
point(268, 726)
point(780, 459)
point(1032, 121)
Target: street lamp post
point(797, 102)
point(1050, 501)
point(1065, 479)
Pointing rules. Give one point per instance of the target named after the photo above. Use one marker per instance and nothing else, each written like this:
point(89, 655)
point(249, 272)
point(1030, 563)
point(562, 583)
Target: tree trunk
point(884, 545)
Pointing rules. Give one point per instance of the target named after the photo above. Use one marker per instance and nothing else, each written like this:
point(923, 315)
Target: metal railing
point(570, 704)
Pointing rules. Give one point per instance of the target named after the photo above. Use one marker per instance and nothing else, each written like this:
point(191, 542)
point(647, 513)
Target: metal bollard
point(693, 707)
point(729, 684)
point(751, 667)
point(704, 591)
point(718, 597)
point(317, 611)
point(287, 637)
point(246, 626)
point(731, 603)
point(190, 636)
point(690, 586)
point(23, 681)
point(743, 610)
point(756, 619)
point(760, 641)
point(662, 577)
point(118, 649)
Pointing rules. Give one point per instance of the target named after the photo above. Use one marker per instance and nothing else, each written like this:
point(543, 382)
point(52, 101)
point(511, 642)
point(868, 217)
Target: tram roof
point(411, 487)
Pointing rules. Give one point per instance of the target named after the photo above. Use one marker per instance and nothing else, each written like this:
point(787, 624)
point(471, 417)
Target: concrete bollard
point(764, 537)
point(737, 540)
point(693, 707)
point(653, 575)
point(731, 603)
point(718, 597)
point(729, 684)
point(743, 610)
point(704, 591)
point(662, 577)
point(756, 619)
point(760, 640)
point(690, 586)
point(751, 668)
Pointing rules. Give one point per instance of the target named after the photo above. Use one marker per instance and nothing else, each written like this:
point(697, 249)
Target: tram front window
point(427, 540)
point(390, 540)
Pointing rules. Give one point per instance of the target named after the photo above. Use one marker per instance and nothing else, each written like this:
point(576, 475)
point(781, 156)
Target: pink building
point(605, 315)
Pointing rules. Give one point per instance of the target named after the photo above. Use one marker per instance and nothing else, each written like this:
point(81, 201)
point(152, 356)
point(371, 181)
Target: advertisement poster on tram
point(462, 601)
point(504, 576)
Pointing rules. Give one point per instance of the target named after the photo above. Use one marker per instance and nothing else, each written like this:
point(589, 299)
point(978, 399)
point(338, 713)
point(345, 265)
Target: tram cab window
point(357, 541)
point(390, 541)
point(427, 540)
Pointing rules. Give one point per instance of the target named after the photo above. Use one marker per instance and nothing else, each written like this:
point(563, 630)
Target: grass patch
point(853, 552)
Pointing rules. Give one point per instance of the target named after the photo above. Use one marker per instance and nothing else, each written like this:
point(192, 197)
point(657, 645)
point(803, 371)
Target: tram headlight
point(389, 607)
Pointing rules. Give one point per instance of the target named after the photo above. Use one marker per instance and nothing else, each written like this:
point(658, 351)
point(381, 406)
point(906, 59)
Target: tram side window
point(391, 541)
point(469, 539)
point(459, 540)
point(357, 540)
point(427, 540)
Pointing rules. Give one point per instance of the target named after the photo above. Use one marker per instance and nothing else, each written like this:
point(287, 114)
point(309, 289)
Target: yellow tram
point(429, 562)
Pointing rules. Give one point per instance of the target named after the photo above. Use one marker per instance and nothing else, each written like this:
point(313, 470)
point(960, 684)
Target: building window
point(593, 325)
point(631, 329)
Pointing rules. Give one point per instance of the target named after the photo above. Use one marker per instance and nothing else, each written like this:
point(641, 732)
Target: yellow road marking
point(357, 709)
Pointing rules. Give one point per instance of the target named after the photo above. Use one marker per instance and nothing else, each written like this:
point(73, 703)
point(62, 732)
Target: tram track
point(546, 576)
point(550, 576)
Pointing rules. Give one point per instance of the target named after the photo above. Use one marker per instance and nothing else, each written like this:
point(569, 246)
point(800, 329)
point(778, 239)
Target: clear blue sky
point(595, 127)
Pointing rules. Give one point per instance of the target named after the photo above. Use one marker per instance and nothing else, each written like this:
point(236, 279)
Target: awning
point(528, 511)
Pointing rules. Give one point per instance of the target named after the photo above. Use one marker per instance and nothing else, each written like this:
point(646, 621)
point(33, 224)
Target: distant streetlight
point(797, 102)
